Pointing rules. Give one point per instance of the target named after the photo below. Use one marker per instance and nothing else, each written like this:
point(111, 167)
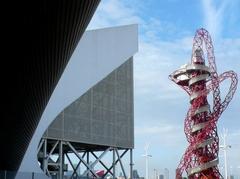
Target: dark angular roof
point(39, 39)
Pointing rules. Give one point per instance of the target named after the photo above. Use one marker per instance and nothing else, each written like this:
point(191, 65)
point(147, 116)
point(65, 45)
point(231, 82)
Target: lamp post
point(224, 147)
point(146, 155)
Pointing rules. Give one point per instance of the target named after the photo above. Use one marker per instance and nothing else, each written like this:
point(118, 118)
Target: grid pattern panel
point(103, 115)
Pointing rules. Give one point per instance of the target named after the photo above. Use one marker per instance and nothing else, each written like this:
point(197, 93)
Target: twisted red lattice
point(198, 80)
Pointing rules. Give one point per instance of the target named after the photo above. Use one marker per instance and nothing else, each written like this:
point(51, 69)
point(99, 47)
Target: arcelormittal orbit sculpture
point(198, 80)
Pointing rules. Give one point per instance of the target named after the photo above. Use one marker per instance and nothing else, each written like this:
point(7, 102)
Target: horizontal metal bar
point(55, 145)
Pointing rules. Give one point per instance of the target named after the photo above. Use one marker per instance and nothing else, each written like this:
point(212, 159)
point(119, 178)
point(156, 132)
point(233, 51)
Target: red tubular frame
point(201, 157)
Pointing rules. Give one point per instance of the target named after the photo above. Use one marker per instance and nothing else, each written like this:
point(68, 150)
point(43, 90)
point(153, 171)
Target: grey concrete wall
point(103, 115)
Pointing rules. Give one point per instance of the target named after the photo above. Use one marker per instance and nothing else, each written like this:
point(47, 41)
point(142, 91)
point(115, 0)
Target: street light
point(146, 155)
point(224, 147)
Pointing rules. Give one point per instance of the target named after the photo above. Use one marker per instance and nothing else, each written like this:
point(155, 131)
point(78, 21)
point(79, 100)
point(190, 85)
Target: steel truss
point(49, 148)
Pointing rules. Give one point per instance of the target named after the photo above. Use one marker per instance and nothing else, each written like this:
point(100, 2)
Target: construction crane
point(200, 160)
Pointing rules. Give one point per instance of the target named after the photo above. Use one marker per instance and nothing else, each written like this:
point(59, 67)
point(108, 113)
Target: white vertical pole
point(231, 171)
point(225, 155)
point(61, 160)
point(146, 167)
point(114, 165)
point(239, 171)
point(45, 162)
point(131, 164)
point(225, 147)
point(146, 155)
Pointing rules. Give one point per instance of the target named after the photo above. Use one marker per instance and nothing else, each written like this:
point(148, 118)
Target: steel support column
point(102, 164)
point(61, 160)
point(120, 161)
point(113, 164)
point(88, 163)
point(45, 156)
point(75, 174)
point(131, 164)
point(58, 164)
point(92, 165)
point(80, 158)
point(40, 145)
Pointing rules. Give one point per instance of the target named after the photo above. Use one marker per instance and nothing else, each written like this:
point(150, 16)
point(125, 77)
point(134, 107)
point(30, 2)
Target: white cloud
point(162, 132)
point(156, 58)
point(236, 134)
point(213, 16)
point(153, 27)
point(156, 129)
point(112, 13)
point(155, 61)
point(228, 50)
point(217, 15)
point(215, 12)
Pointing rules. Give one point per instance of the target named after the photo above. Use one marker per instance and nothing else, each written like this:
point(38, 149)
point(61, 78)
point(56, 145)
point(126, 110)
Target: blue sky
point(166, 30)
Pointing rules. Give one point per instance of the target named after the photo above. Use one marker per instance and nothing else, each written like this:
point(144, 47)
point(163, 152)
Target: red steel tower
point(198, 80)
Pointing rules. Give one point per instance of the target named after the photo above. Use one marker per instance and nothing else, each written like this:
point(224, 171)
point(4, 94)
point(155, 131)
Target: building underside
point(39, 39)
